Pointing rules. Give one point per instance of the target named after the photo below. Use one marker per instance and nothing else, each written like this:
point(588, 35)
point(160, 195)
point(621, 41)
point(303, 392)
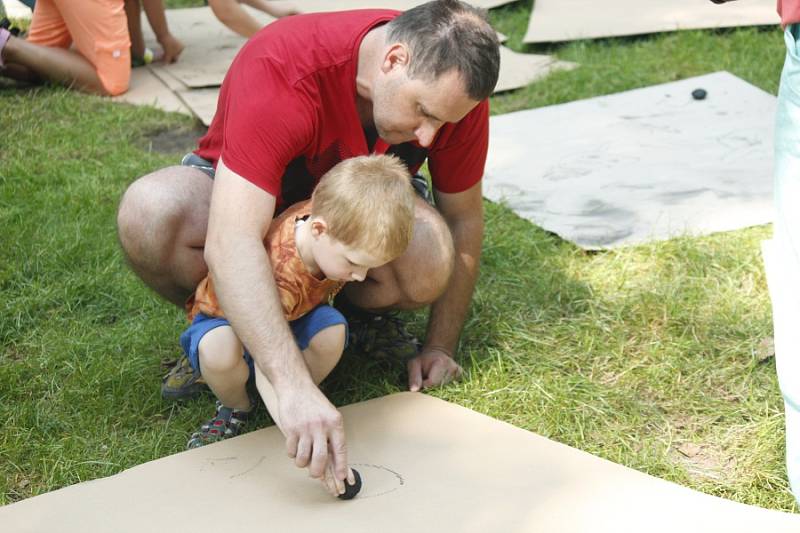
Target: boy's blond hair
point(367, 203)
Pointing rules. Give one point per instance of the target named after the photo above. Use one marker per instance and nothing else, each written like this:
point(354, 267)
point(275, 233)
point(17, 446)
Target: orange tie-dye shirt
point(299, 290)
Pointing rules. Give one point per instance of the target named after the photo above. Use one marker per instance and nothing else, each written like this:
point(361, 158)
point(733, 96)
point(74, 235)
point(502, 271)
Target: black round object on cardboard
point(699, 94)
point(350, 491)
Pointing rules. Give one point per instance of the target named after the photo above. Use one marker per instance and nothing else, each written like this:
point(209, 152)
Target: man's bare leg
point(418, 277)
point(162, 223)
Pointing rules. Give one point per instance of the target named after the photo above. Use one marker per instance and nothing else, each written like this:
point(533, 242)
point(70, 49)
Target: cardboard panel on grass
point(569, 20)
point(516, 70)
point(427, 465)
point(211, 47)
point(312, 6)
point(643, 165)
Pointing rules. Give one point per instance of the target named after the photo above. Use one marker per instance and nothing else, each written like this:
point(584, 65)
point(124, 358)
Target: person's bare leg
point(162, 222)
point(416, 278)
point(224, 368)
point(54, 64)
point(133, 11)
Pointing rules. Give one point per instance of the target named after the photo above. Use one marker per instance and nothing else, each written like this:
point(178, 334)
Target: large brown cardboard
point(427, 466)
point(568, 20)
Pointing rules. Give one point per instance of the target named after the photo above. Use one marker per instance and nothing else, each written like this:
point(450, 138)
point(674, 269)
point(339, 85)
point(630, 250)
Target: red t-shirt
point(287, 111)
point(789, 10)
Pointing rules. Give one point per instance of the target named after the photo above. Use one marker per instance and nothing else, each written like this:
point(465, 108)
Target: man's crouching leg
point(161, 223)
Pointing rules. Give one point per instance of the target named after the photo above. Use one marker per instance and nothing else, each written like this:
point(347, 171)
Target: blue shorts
point(304, 329)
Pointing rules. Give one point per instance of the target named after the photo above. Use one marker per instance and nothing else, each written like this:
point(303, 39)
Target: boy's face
point(338, 261)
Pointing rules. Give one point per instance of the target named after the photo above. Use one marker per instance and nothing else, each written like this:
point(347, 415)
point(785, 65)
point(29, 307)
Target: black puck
point(350, 491)
point(699, 94)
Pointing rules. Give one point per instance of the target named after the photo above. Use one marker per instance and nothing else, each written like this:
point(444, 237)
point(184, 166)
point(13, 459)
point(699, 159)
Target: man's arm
point(239, 218)
point(435, 365)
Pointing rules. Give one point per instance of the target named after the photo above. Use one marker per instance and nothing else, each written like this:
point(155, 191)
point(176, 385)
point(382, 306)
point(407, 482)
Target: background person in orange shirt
point(85, 45)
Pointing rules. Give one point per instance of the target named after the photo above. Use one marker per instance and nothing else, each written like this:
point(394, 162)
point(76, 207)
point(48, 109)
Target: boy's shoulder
point(291, 213)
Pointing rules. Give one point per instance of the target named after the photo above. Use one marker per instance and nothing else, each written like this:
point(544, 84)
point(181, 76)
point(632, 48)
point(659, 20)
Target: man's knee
point(153, 209)
point(426, 274)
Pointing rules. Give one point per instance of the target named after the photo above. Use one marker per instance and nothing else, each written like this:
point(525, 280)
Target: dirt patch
point(704, 461)
point(173, 141)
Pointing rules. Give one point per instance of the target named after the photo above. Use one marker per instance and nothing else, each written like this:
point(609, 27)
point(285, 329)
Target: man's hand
point(314, 431)
point(431, 368)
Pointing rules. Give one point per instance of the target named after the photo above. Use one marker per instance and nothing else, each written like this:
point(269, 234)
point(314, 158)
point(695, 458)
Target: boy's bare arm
point(239, 217)
point(154, 9)
point(232, 15)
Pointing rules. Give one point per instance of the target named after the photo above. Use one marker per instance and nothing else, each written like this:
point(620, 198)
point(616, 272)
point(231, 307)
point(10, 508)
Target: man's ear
point(397, 56)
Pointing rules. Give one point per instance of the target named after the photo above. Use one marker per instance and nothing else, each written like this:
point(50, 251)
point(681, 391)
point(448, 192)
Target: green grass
point(628, 354)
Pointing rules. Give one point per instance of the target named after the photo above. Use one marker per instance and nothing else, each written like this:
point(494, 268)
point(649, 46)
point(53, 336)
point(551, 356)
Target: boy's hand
point(172, 48)
point(314, 431)
point(432, 368)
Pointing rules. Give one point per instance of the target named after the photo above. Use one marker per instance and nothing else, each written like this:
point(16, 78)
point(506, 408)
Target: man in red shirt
point(303, 94)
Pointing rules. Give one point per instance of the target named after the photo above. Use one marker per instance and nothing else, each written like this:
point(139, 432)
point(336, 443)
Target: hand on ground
point(433, 367)
point(172, 48)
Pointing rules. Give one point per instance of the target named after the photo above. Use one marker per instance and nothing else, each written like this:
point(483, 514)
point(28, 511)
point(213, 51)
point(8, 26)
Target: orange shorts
point(97, 28)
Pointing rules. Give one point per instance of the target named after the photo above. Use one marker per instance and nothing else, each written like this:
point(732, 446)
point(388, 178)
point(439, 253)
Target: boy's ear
point(318, 227)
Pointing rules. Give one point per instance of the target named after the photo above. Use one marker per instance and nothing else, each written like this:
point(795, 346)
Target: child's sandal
point(226, 423)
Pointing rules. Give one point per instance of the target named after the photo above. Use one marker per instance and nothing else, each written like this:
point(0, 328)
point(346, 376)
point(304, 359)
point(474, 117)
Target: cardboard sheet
point(427, 465)
point(202, 102)
point(642, 165)
point(568, 20)
point(313, 6)
point(148, 89)
point(518, 70)
point(210, 46)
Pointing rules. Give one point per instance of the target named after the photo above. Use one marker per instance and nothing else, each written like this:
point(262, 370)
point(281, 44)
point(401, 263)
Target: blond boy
point(360, 216)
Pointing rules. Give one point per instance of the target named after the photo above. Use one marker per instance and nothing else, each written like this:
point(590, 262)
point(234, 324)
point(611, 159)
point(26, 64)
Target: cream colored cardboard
point(568, 20)
point(427, 465)
point(639, 166)
point(209, 46)
point(147, 89)
point(202, 102)
point(161, 72)
point(315, 6)
point(518, 70)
